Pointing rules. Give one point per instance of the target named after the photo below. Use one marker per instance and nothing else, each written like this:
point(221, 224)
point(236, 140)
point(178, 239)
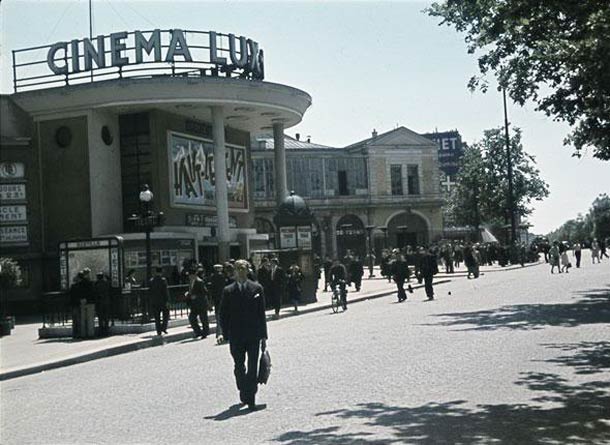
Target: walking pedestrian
point(197, 299)
point(577, 253)
point(276, 286)
point(327, 264)
point(602, 249)
point(102, 303)
point(565, 261)
point(294, 288)
point(595, 251)
point(400, 273)
point(338, 277)
point(554, 256)
point(429, 268)
point(356, 271)
point(216, 284)
point(244, 325)
point(159, 300)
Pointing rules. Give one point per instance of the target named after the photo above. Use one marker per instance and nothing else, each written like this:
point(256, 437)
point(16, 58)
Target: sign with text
point(304, 237)
point(288, 237)
point(14, 213)
point(12, 192)
point(14, 234)
point(191, 171)
point(198, 220)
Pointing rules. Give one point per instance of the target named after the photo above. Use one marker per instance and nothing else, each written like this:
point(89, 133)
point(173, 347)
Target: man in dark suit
point(216, 284)
point(429, 268)
point(243, 321)
point(198, 302)
point(102, 303)
point(400, 273)
point(356, 270)
point(277, 285)
point(159, 298)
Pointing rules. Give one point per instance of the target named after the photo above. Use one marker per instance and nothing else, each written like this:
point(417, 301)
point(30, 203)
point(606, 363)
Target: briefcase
point(264, 367)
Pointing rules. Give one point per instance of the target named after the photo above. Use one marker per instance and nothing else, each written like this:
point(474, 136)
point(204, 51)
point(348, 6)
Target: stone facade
point(411, 209)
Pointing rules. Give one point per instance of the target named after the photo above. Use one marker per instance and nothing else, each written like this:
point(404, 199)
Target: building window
point(396, 179)
point(413, 179)
point(263, 178)
point(342, 179)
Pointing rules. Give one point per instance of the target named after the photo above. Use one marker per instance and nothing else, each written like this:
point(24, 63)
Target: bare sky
point(366, 65)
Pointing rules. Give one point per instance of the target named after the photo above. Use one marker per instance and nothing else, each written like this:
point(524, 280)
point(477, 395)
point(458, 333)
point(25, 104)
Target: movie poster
point(192, 180)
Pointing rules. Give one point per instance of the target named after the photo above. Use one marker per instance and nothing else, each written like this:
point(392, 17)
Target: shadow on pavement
point(586, 357)
point(235, 411)
point(578, 415)
point(592, 307)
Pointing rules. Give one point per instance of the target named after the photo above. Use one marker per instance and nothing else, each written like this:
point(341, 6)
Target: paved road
point(515, 357)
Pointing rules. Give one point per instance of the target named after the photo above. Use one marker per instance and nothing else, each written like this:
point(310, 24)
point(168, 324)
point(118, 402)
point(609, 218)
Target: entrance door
point(406, 239)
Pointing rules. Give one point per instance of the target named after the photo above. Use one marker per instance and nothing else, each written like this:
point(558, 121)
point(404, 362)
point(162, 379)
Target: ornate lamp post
point(384, 230)
point(147, 219)
point(371, 257)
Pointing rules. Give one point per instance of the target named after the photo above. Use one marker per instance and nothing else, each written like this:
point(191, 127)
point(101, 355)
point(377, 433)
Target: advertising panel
point(191, 171)
point(304, 234)
point(288, 237)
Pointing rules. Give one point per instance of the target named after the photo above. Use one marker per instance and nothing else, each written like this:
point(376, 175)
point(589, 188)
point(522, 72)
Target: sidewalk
point(23, 353)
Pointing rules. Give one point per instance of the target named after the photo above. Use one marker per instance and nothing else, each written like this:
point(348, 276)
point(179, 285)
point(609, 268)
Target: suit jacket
point(198, 294)
point(159, 293)
point(242, 313)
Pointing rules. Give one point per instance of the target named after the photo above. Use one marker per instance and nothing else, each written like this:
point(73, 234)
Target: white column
point(220, 175)
point(281, 186)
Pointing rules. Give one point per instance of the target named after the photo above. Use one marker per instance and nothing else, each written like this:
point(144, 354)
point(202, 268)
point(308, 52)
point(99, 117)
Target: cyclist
point(338, 277)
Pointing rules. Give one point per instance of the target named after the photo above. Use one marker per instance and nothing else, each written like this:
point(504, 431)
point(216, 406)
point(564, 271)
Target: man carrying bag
point(244, 325)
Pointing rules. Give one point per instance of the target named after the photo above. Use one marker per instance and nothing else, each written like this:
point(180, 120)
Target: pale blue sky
point(366, 65)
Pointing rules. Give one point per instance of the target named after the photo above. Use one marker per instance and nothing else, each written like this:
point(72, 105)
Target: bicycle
point(339, 296)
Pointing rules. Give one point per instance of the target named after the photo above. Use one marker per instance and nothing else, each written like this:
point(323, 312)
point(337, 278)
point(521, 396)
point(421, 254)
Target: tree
point(10, 276)
point(555, 53)
point(482, 191)
point(595, 224)
point(464, 203)
point(600, 214)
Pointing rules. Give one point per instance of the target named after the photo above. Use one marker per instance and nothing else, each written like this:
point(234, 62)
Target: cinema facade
point(93, 120)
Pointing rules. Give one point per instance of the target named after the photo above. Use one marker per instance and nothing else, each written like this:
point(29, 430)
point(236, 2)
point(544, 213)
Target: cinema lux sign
point(126, 48)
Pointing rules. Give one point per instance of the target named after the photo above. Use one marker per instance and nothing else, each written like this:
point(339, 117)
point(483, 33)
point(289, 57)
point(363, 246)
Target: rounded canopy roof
point(249, 105)
point(293, 211)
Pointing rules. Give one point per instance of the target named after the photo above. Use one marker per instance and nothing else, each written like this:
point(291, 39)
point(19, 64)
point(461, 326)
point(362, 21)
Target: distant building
point(390, 180)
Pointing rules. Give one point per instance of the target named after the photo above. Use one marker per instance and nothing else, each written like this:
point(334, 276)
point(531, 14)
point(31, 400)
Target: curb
point(170, 338)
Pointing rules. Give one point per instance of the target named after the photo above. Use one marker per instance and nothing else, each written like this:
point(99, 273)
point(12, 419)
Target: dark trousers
point(358, 282)
point(161, 323)
point(400, 284)
point(103, 319)
point(217, 316)
point(199, 313)
point(245, 378)
point(276, 300)
point(578, 255)
point(428, 286)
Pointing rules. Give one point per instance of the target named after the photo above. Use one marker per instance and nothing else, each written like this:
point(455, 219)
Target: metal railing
point(128, 307)
point(29, 64)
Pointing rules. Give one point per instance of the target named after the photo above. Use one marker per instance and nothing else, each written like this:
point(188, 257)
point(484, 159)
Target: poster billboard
point(191, 172)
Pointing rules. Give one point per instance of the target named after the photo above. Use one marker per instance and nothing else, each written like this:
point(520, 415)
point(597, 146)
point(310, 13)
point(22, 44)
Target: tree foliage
point(555, 53)
point(595, 224)
point(10, 273)
point(481, 195)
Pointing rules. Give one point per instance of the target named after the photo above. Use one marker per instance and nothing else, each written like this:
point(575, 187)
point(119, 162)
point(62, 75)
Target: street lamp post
point(371, 260)
point(384, 230)
point(146, 197)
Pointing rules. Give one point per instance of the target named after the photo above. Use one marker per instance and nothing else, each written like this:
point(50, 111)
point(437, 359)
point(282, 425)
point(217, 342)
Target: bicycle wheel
point(334, 303)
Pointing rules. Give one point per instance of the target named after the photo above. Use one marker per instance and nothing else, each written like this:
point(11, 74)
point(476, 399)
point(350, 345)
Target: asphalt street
point(517, 357)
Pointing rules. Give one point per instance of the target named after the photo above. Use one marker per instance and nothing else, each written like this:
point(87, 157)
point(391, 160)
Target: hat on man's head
point(100, 274)
point(218, 266)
